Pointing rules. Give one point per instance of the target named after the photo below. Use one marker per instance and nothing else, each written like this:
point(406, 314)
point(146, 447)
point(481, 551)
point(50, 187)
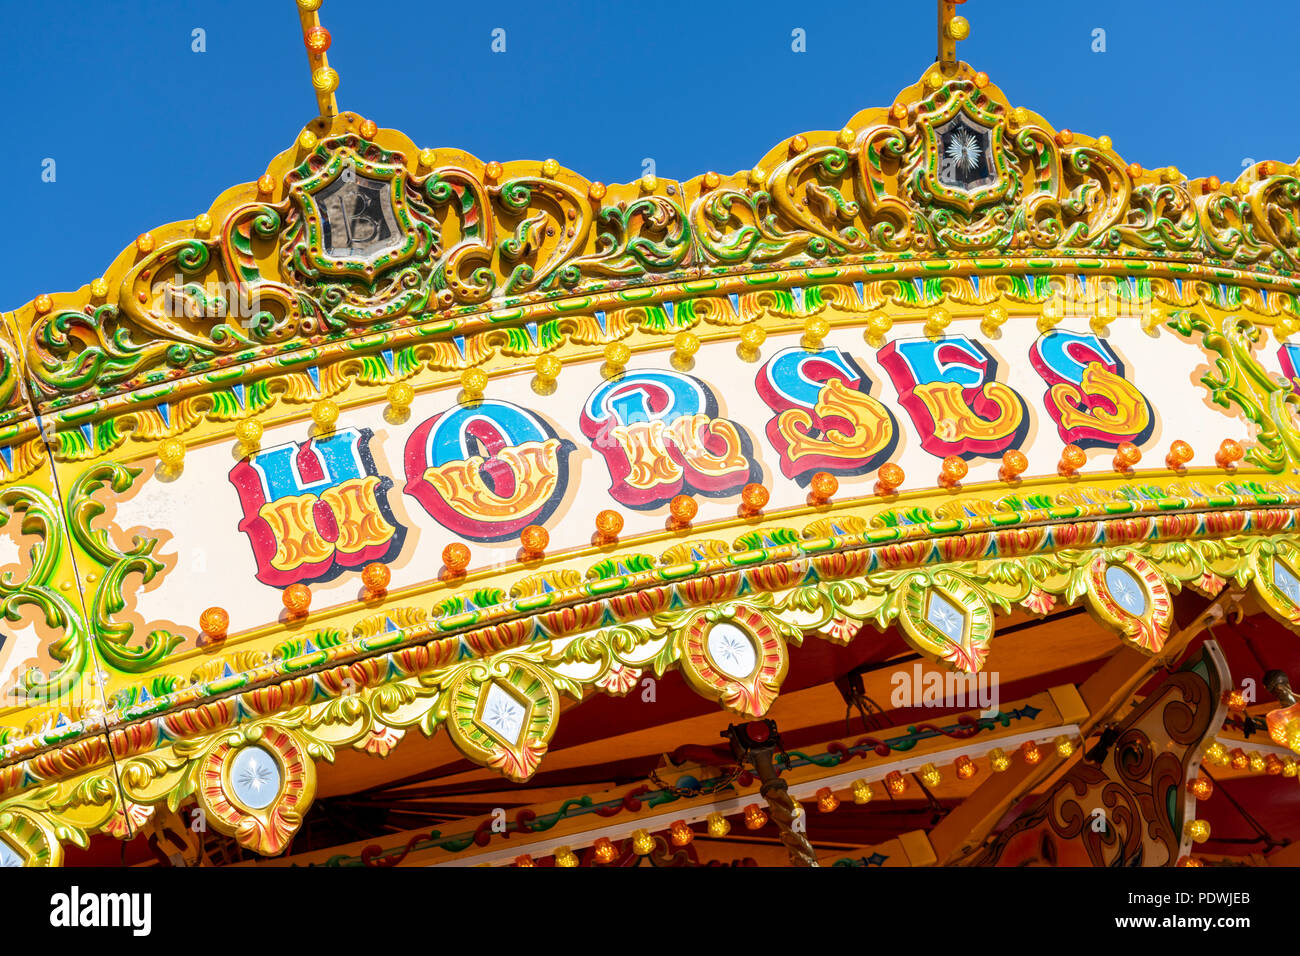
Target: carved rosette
point(256, 784)
point(1127, 592)
point(502, 713)
point(734, 654)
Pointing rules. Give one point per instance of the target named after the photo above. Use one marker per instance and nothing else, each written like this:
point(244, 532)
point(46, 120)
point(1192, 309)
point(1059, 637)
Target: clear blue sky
point(144, 131)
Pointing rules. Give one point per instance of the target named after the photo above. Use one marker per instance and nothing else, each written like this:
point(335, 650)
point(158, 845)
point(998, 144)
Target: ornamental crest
point(964, 162)
point(355, 218)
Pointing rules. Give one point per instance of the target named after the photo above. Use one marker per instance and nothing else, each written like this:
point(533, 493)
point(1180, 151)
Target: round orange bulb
point(754, 496)
point(534, 538)
point(965, 767)
point(368, 129)
point(317, 40)
point(755, 818)
point(1202, 787)
point(1014, 464)
point(609, 523)
point(826, 800)
point(1030, 752)
point(455, 557)
point(604, 850)
point(680, 833)
point(683, 509)
point(1180, 453)
point(297, 599)
point(1072, 459)
point(823, 486)
point(895, 782)
point(524, 860)
point(889, 479)
point(43, 303)
point(375, 576)
point(953, 470)
point(1189, 861)
point(145, 242)
point(1126, 456)
point(1230, 452)
point(1238, 759)
point(265, 183)
point(214, 622)
point(596, 191)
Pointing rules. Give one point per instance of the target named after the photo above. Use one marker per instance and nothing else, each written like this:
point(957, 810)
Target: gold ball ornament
point(325, 80)
point(686, 344)
point(565, 857)
point(643, 843)
point(172, 452)
point(959, 28)
point(617, 354)
point(325, 412)
point(473, 381)
point(1198, 830)
point(548, 367)
point(249, 431)
point(752, 336)
point(401, 394)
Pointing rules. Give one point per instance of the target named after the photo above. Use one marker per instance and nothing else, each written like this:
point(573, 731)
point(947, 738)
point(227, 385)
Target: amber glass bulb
point(214, 622)
point(826, 800)
point(683, 508)
point(889, 478)
point(953, 470)
point(680, 833)
point(1072, 459)
point(823, 486)
point(1180, 453)
point(895, 782)
point(455, 557)
point(1229, 453)
point(754, 496)
point(375, 576)
point(1014, 464)
point(297, 599)
point(534, 538)
point(609, 523)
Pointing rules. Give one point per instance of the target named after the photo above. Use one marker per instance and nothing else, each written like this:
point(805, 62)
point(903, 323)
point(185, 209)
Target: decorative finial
point(317, 40)
point(951, 29)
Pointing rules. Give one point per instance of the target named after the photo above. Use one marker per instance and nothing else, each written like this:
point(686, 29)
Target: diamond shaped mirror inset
point(1126, 590)
point(732, 650)
point(503, 713)
point(1286, 581)
point(8, 855)
point(947, 618)
point(254, 778)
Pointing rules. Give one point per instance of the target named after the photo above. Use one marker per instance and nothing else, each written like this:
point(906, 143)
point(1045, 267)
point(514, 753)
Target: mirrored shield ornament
point(503, 713)
point(254, 777)
point(357, 220)
point(945, 616)
point(1126, 589)
point(1126, 592)
point(8, 856)
point(732, 650)
point(1286, 581)
point(965, 160)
